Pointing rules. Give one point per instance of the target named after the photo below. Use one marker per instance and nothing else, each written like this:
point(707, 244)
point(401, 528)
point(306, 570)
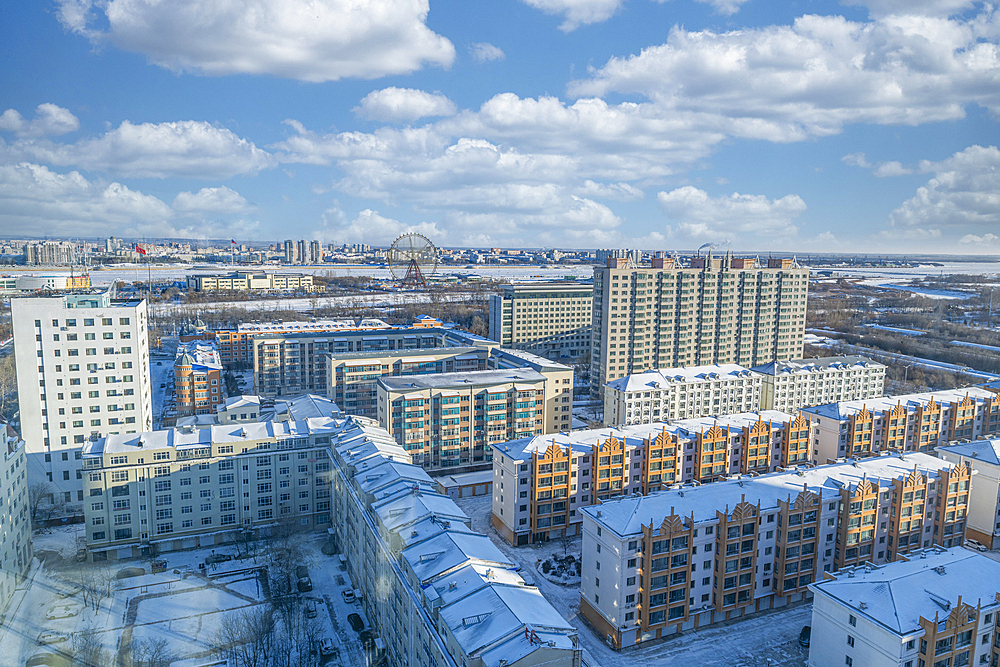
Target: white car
point(348, 595)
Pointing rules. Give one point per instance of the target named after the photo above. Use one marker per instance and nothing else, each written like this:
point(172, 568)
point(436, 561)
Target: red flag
point(139, 249)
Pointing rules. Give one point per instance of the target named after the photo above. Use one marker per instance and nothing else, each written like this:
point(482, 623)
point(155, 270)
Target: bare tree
point(149, 653)
point(39, 503)
point(246, 637)
point(96, 583)
point(88, 650)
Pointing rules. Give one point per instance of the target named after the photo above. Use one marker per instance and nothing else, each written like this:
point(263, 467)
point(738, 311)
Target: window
point(848, 660)
point(852, 620)
point(850, 640)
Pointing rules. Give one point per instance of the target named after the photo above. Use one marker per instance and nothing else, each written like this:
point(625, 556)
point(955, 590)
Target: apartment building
point(548, 478)
point(681, 393)
point(296, 363)
point(797, 383)
point(558, 409)
point(436, 593)
point(82, 372)
point(449, 420)
point(251, 281)
point(186, 487)
point(984, 497)
point(352, 377)
point(198, 387)
point(909, 423)
point(49, 253)
point(686, 558)
point(938, 607)
point(714, 311)
point(549, 319)
point(15, 515)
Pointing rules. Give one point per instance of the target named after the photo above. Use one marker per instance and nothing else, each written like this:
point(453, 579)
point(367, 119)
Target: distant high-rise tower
point(315, 255)
point(289, 252)
point(300, 255)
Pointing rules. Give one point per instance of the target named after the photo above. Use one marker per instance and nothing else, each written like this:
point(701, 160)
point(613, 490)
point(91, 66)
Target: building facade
point(714, 311)
point(352, 377)
point(558, 409)
point(198, 386)
point(797, 383)
point(681, 393)
point(82, 372)
point(682, 559)
point(184, 488)
point(449, 420)
point(549, 319)
point(909, 423)
point(939, 607)
point(984, 498)
point(49, 253)
point(251, 281)
point(436, 593)
point(15, 515)
point(236, 345)
point(540, 483)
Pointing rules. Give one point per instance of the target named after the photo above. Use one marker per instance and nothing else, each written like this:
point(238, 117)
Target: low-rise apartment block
point(251, 281)
point(685, 558)
point(681, 393)
point(15, 516)
point(187, 487)
point(938, 607)
point(449, 420)
point(436, 592)
point(352, 377)
point(558, 409)
point(198, 387)
point(909, 423)
point(795, 383)
point(549, 319)
point(984, 498)
point(540, 483)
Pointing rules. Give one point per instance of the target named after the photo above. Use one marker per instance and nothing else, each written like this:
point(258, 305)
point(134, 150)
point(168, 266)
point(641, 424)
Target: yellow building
point(715, 311)
point(244, 281)
point(549, 319)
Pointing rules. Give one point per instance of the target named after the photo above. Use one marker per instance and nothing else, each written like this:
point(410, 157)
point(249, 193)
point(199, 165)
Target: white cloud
point(965, 191)
point(486, 52)
point(700, 216)
point(809, 79)
point(369, 227)
point(153, 150)
point(892, 169)
point(616, 191)
point(985, 239)
point(403, 104)
point(49, 119)
point(578, 12)
point(856, 160)
point(725, 7)
point(309, 40)
point(210, 200)
point(924, 7)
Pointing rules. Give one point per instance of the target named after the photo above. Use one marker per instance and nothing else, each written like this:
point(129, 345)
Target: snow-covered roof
point(465, 479)
point(428, 528)
point(244, 400)
point(737, 421)
point(987, 451)
point(198, 353)
point(663, 378)
point(844, 409)
point(316, 325)
point(461, 380)
point(625, 516)
point(389, 472)
point(397, 513)
point(510, 358)
point(897, 594)
point(817, 365)
point(445, 552)
point(304, 406)
point(581, 441)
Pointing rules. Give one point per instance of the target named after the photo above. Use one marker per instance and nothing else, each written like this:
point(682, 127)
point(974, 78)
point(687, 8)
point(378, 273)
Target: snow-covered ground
point(374, 300)
point(770, 638)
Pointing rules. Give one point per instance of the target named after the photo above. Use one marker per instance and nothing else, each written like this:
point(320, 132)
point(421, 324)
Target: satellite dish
point(413, 259)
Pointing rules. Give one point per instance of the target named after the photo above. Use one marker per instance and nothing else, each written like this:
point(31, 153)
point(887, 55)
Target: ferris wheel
point(413, 259)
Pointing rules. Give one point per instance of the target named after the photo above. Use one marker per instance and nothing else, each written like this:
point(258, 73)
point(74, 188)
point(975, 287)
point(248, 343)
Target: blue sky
point(868, 125)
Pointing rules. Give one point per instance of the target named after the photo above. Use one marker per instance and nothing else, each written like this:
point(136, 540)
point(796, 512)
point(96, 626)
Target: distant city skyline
point(863, 126)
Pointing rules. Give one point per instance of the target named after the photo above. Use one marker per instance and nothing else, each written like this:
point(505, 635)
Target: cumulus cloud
point(189, 149)
point(881, 169)
point(49, 119)
point(486, 52)
point(810, 78)
point(578, 12)
point(924, 7)
point(725, 7)
point(309, 40)
point(403, 104)
point(965, 191)
point(368, 227)
point(210, 200)
point(985, 239)
point(700, 216)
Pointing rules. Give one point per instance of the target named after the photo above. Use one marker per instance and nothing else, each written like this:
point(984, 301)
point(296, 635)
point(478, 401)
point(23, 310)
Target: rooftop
point(461, 380)
point(662, 378)
point(739, 420)
point(549, 287)
point(509, 358)
point(625, 516)
point(408, 355)
point(817, 365)
point(897, 594)
point(315, 325)
point(977, 450)
point(200, 354)
point(305, 406)
point(845, 409)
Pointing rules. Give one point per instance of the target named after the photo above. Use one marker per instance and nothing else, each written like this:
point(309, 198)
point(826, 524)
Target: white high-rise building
point(82, 372)
point(15, 521)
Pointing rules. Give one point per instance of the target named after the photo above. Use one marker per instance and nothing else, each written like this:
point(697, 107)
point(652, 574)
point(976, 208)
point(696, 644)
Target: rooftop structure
point(198, 378)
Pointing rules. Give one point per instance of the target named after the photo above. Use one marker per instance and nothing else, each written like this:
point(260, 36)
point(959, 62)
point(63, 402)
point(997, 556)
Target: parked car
point(805, 635)
point(304, 585)
point(348, 594)
point(217, 558)
point(356, 623)
point(973, 544)
point(327, 647)
point(366, 637)
point(311, 609)
point(50, 637)
point(301, 572)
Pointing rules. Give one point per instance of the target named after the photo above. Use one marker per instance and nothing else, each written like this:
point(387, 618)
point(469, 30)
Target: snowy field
point(769, 639)
point(303, 305)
